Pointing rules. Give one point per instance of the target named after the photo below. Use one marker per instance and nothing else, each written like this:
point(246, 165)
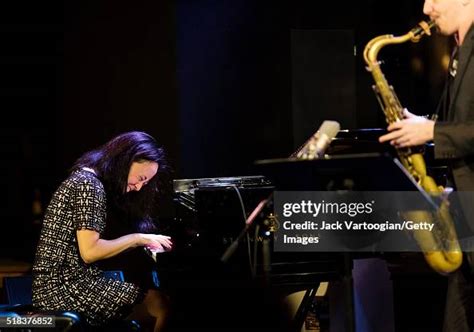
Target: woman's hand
point(155, 242)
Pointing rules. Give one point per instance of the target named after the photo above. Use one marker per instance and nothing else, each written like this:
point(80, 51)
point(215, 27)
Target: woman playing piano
point(121, 175)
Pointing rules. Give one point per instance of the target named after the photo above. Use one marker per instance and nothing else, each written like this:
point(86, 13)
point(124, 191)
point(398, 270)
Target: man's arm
point(454, 140)
point(411, 131)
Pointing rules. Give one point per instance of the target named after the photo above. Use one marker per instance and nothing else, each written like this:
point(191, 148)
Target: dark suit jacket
point(454, 139)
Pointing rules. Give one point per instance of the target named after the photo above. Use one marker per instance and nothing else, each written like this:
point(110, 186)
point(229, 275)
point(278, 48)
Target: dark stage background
point(219, 83)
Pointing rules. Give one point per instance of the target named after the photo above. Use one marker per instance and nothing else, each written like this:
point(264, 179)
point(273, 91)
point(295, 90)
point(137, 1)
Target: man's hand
point(412, 131)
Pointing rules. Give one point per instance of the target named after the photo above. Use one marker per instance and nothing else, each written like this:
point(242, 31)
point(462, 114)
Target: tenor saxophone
point(441, 249)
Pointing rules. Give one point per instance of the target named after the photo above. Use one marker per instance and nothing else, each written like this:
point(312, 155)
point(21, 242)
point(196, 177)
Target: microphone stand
point(248, 224)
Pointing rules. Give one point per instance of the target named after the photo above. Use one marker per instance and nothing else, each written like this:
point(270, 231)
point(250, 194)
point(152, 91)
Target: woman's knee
point(157, 303)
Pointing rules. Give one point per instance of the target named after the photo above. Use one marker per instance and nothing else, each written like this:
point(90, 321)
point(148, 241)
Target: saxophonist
point(453, 136)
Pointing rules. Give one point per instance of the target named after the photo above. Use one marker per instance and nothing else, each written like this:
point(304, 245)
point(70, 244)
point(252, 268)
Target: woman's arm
point(92, 248)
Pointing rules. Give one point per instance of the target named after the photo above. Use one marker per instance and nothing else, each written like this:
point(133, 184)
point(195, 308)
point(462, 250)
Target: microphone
point(316, 145)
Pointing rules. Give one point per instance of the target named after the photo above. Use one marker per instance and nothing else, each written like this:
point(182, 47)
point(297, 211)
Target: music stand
point(362, 172)
point(357, 172)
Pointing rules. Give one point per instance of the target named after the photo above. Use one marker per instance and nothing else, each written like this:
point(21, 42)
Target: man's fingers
point(395, 126)
point(390, 136)
point(402, 142)
point(407, 114)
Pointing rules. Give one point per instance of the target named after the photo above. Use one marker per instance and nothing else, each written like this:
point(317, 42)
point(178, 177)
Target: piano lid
point(189, 185)
point(361, 133)
point(353, 141)
point(365, 140)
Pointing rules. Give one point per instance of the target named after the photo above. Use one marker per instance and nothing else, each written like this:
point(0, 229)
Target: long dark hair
point(112, 162)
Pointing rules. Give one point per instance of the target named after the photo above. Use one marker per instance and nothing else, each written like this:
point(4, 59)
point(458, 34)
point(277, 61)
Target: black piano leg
point(303, 308)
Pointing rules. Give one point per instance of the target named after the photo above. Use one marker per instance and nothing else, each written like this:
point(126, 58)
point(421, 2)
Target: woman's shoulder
point(84, 178)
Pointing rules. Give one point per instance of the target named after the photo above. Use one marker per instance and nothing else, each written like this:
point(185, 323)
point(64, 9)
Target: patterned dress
point(61, 279)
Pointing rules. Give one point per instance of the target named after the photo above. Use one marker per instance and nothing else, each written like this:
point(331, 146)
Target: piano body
point(210, 214)
point(213, 211)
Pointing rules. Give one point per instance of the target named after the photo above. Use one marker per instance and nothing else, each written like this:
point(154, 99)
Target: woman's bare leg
point(152, 312)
